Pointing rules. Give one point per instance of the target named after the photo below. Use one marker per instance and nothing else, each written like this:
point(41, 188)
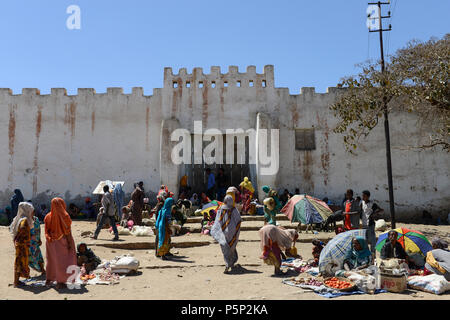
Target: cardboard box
point(393, 283)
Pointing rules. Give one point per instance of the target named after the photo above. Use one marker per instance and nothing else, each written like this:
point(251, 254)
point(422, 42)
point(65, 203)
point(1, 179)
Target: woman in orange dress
point(20, 231)
point(60, 245)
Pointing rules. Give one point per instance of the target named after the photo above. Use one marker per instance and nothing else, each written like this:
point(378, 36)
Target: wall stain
point(222, 100)
point(93, 122)
point(70, 118)
point(307, 171)
point(295, 116)
point(147, 128)
point(36, 149)
point(325, 155)
point(205, 105)
point(11, 139)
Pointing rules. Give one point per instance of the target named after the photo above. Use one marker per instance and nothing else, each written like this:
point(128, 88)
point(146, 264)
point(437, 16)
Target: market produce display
point(308, 281)
point(87, 277)
point(338, 283)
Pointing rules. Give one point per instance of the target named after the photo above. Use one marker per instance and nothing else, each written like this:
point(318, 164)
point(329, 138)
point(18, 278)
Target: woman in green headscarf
point(359, 257)
point(163, 228)
point(272, 205)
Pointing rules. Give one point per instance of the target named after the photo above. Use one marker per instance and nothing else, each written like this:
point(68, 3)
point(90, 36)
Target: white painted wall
point(91, 137)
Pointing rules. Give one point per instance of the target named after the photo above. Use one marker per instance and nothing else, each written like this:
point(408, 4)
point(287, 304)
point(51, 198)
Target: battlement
point(183, 79)
point(217, 79)
point(81, 92)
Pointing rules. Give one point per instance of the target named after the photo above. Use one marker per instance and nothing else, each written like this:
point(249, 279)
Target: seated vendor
point(208, 221)
point(204, 199)
point(126, 213)
point(392, 248)
point(359, 256)
point(317, 249)
point(87, 258)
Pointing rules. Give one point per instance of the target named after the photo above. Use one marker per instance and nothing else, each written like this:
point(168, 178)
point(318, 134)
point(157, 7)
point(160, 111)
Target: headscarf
point(359, 257)
point(439, 243)
point(24, 212)
point(247, 184)
point(57, 221)
point(266, 189)
point(232, 195)
point(15, 200)
point(163, 189)
point(228, 202)
point(164, 215)
point(227, 226)
point(119, 195)
point(88, 253)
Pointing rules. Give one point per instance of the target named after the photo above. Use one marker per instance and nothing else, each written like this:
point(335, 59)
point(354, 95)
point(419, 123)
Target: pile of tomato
point(87, 277)
point(335, 283)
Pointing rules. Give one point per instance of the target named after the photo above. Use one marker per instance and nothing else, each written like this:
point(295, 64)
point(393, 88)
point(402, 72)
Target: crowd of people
point(222, 223)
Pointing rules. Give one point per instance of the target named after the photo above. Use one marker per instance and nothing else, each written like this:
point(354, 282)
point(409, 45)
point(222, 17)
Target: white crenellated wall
point(63, 145)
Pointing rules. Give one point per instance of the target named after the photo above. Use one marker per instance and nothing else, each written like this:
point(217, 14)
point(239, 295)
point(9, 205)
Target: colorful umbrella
point(213, 205)
point(306, 209)
point(337, 248)
point(412, 241)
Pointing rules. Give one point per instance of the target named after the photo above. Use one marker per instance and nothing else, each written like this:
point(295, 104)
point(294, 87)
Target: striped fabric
point(337, 248)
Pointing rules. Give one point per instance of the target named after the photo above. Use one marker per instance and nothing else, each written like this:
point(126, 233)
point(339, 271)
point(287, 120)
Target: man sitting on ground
point(392, 248)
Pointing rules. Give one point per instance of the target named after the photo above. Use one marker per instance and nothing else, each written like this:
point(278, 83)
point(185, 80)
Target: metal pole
point(386, 129)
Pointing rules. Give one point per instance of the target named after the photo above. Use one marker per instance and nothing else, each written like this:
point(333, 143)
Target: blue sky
point(128, 43)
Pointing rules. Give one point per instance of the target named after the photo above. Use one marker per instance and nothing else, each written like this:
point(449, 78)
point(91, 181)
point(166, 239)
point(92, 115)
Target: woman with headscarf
point(194, 199)
point(60, 245)
point(36, 261)
point(20, 231)
point(162, 190)
point(247, 192)
point(138, 205)
point(273, 241)
point(235, 194)
point(272, 205)
point(163, 228)
point(359, 256)
point(226, 230)
point(438, 243)
point(119, 196)
point(15, 200)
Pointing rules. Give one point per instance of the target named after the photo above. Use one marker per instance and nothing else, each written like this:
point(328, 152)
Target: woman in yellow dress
point(20, 231)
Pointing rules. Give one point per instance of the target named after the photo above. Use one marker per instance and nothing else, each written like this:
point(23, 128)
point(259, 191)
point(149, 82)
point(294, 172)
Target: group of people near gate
point(276, 242)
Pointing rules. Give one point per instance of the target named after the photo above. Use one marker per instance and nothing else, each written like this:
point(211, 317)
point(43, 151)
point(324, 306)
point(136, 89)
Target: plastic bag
point(380, 225)
point(142, 231)
point(432, 283)
point(124, 264)
point(123, 231)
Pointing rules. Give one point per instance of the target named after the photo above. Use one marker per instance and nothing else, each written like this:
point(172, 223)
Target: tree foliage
point(416, 80)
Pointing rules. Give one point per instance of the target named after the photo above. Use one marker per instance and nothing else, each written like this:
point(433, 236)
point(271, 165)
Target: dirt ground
point(194, 273)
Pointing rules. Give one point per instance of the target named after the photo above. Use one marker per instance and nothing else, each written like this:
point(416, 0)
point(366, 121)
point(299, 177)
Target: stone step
point(189, 240)
point(280, 217)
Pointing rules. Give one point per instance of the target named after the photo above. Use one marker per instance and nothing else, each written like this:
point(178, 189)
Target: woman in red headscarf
point(60, 245)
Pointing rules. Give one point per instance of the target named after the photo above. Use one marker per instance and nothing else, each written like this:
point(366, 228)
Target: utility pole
point(386, 116)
